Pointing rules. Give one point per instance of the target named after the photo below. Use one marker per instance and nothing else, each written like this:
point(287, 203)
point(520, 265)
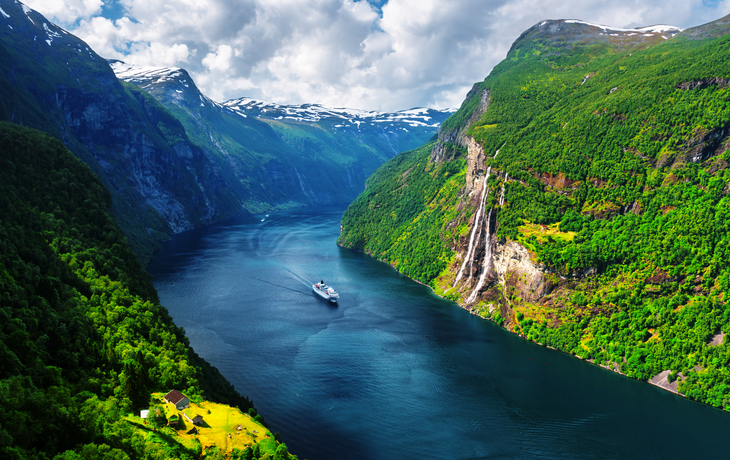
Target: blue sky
point(367, 54)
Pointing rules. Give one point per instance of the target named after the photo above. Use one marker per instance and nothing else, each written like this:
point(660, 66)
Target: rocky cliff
point(160, 182)
point(278, 156)
point(579, 198)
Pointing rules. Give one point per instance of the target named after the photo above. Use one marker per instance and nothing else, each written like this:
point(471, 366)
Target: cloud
point(373, 55)
point(66, 11)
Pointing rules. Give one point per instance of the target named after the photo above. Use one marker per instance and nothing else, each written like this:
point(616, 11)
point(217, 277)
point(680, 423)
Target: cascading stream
point(501, 197)
point(487, 260)
point(467, 258)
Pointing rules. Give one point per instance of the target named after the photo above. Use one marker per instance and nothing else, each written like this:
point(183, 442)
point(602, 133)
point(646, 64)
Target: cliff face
point(579, 197)
point(453, 133)
point(161, 182)
point(276, 156)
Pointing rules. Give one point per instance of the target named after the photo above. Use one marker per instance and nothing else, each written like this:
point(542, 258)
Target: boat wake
point(283, 287)
point(300, 279)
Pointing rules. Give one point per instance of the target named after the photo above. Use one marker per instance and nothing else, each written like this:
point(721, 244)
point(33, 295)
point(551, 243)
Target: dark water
point(394, 372)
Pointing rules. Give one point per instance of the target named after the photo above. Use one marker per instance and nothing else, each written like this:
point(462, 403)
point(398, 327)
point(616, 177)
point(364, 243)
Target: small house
point(172, 421)
point(179, 400)
point(197, 420)
point(144, 413)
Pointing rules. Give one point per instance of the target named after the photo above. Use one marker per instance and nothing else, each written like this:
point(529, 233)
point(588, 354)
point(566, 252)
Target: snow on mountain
point(147, 76)
point(655, 29)
point(313, 113)
point(178, 80)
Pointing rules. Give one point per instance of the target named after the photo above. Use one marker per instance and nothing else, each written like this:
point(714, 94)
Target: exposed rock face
point(456, 136)
point(490, 262)
point(516, 269)
point(157, 178)
point(703, 83)
point(475, 163)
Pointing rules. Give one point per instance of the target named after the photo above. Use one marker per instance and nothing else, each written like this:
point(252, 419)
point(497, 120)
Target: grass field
point(542, 232)
point(220, 426)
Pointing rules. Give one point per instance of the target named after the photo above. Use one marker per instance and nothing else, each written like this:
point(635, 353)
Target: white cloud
point(219, 61)
point(66, 11)
point(342, 52)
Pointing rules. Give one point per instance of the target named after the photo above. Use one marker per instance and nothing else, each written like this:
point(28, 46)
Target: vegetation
point(617, 163)
point(83, 339)
point(224, 431)
point(274, 163)
point(399, 216)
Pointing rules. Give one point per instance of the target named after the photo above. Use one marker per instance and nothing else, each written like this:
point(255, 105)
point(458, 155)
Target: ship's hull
point(324, 294)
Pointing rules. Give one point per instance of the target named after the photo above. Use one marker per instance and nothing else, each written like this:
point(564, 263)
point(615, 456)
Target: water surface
point(394, 372)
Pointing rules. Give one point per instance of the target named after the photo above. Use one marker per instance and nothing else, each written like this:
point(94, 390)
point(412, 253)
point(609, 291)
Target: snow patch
point(660, 28)
point(4, 14)
point(657, 29)
point(27, 11)
point(313, 113)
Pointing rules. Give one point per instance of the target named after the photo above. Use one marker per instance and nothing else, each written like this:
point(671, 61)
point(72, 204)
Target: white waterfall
point(487, 261)
point(477, 221)
point(501, 197)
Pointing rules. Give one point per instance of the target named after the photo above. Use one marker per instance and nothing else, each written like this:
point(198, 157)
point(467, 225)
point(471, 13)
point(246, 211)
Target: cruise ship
point(326, 292)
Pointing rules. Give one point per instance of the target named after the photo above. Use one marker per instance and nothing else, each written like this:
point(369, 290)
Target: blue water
point(394, 372)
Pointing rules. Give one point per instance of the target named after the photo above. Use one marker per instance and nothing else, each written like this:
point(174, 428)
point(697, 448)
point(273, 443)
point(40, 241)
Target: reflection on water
point(392, 371)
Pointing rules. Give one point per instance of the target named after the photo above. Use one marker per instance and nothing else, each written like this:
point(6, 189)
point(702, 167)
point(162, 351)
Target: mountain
point(277, 157)
point(392, 132)
point(160, 181)
point(84, 342)
point(579, 198)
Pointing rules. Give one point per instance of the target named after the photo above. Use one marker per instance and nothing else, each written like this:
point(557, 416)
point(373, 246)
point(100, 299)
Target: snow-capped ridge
point(149, 77)
point(313, 113)
point(655, 29)
point(137, 74)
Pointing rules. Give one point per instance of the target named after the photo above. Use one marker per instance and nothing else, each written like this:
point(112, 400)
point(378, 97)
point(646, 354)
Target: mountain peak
point(712, 29)
point(313, 113)
point(148, 75)
point(567, 32)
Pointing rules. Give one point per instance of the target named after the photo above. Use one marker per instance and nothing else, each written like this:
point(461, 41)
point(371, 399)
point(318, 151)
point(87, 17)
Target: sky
point(374, 55)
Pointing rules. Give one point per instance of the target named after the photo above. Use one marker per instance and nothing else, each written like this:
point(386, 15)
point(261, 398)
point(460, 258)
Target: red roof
point(174, 396)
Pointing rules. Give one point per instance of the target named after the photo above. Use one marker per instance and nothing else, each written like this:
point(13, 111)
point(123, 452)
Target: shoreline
point(659, 380)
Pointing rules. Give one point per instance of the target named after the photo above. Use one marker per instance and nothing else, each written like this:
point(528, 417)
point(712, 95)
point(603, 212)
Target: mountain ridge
point(287, 160)
point(54, 82)
point(577, 198)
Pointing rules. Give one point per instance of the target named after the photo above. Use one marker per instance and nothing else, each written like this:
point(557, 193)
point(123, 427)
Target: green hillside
point(83, 339)
point(279, 157)
point(612, 154)
point(160, 182)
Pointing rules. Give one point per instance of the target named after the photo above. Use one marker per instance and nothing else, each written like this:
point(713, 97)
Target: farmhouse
point(197, 420)
point(179, 400)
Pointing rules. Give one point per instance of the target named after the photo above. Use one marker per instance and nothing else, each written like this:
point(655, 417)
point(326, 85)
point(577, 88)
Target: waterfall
point(501, 197)
point(487, 261)
point(467, 258)
point(495, 155)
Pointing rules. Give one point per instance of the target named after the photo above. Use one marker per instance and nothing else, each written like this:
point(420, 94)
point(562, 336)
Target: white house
point(179, 400)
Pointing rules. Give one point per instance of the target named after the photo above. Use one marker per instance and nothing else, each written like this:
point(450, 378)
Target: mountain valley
point(579, 198)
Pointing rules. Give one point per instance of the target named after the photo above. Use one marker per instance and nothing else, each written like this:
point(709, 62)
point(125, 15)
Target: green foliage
point(633, 160)
point(83, 339)
point(399, 217)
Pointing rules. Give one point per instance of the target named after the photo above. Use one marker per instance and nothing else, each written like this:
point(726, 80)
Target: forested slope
point(159, 180)
point(83, 338)
point(586, 206)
